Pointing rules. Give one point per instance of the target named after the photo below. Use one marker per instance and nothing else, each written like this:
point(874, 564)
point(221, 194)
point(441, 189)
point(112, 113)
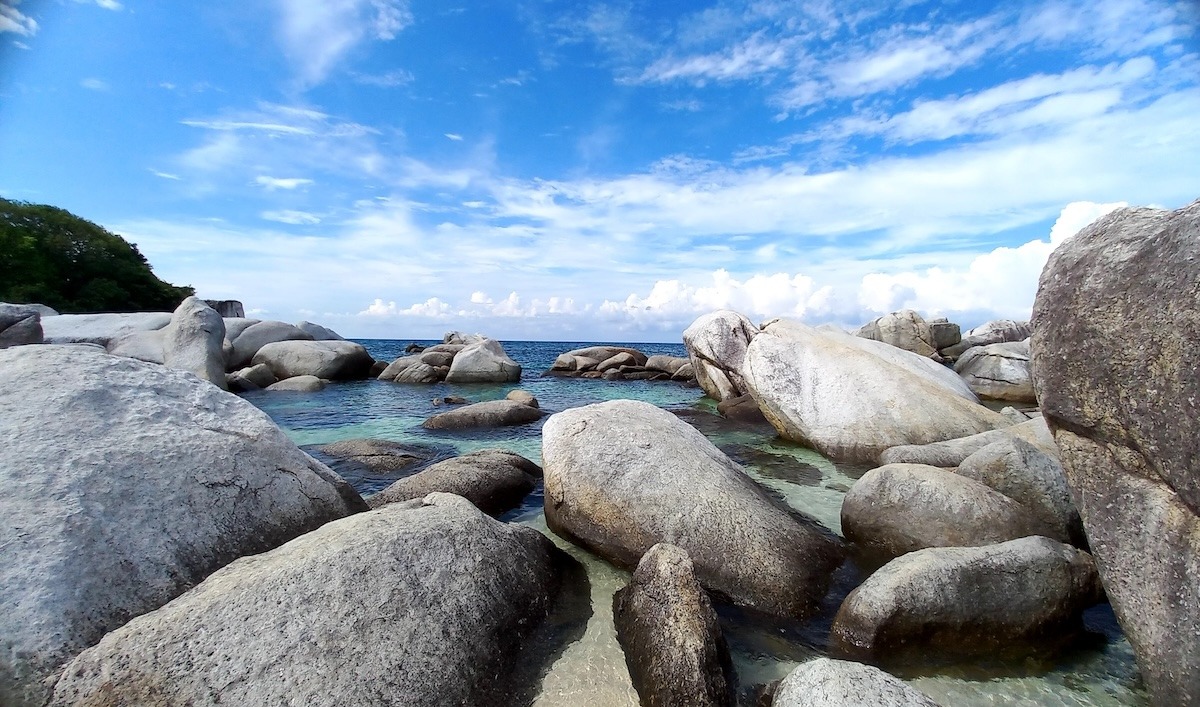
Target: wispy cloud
point(317, 34)
point(165, 175)
point(454, 137)
point(390, 79)
point(291, 216)
point(94, 84)
point(13, 20)
point(754, 56)
point(273, 183)
point(106, 4)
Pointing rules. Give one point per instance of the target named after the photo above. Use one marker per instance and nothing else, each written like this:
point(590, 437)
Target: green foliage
point(50, 256)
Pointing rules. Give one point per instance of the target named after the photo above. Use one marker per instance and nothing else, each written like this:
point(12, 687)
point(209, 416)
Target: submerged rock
point(491, 413)
point(298, 384)
point(1115, 343)
point(852, 398)
point(825, 682)
point(624, 475)
point(968, 601)
point(423, 604)
point(901, 508)
point(123, 485)
point(377, 456)
point(669, 631)
point(494, 480)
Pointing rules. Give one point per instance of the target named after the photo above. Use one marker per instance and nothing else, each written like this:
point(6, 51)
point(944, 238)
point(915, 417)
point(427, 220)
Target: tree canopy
point(51, 256)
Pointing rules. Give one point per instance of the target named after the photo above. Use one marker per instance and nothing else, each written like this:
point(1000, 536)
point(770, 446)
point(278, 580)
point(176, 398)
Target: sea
point(1096, 669)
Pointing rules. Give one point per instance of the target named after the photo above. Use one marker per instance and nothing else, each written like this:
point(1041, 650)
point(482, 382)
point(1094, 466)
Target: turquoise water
point(1097, 669)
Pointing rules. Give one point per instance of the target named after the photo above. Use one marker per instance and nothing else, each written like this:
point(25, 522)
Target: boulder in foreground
point(425, 604)
point(825, 682)
point(490, 413)
point(965, 601)
point(1116, 339)
point(122, 485)
point(669, 631)
point(623, 475)
point(494, 480)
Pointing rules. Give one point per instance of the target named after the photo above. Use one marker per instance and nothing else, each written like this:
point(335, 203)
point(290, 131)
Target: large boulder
point(192, 341)
point(952, 452)
point(122, 485)
point(945, 333)
point(967, 601)
point(19, 325)
point(424, 604)
point(492, 413)
point(483, 362)
point(251, 378)
point(623, 475)
point(668, 629)
point(716, 345)
point(227, 307)
point(852, 398)
point(904, 329)
point(1032, 478)
point(246, 336)
point(101, 329)
point(493, 479)
point(825, 682)
point(318, 332)
point(298, 384)
point(331, 360)
point(999, 371)
point(1115, 343)
point(148, 346)
point(900, 508)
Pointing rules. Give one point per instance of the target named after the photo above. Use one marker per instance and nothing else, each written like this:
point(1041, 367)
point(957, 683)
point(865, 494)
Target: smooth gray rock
point(905, 330)
point(148, 346)
point(462, 339)
point(298, 384)
point(1032, 478)
point(967, 601)
point(945, 333)
point(666, 364)
point(192, 341)
point(901, 508)
point(669, 632)
point(121, 486)
point(318, 332)
point(331, 360)
point(624, 475)
point(617, 361)
point(685, 374)
point(483, 362)
point(227, 307)
point(993, 332)
point(716, 344)
point(851, 398)
point(259, 376)
point(999, 371)
point(423, 604)
point(743, 408)
point(19, 325)
point(494, 480)
point(437, 358)
point(99, 329)
point(492, 413)
point(825, 682)
point(522, 396)
point(602, 353)
point(420, 373)
point(245, 342)
point(396, 367)
point(952, 452)
point(1116, 338)
point(378, 456)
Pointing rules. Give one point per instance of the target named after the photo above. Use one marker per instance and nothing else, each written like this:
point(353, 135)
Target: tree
point(50, 256)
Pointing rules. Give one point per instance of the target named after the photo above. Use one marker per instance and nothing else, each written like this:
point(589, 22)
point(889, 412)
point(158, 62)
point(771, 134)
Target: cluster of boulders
point(130, 490)
point(619, 363)
point(232, 353)
point(460, 358)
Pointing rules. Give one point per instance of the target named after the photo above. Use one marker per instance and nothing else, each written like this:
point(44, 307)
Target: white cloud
point(297, 218)
point(753, 56)
point(273, 183)
point(165, 175)
point(13, 20)
point(94, 84)
point(390, 79)
point(317, 34)
point(454, 136)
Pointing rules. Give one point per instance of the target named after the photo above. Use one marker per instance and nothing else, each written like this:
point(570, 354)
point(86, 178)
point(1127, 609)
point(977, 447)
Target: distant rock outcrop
point(617, 363)
point(483, 360)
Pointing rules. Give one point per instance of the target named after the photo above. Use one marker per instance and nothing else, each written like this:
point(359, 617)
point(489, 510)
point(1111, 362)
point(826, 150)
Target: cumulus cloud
point(13, 20)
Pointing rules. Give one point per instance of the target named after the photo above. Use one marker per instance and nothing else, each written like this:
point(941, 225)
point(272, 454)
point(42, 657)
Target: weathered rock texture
point(102, 329)
point(668, 629)
point(423, 604)
point(121, 486)
point(904, 329)
point(318, 332)
point(19, 325)
point(624, 475)
point(483, 362)
point(193, 340)
point(331, 360)
point(999, 371)
point(852, 398)
point(825, 682)
point(952, 452)
point(493, 479)
point(993, 332)
point(900, 508)
point(244, 338)
point(967, 601)
point(1115, 344)
point(716, 344)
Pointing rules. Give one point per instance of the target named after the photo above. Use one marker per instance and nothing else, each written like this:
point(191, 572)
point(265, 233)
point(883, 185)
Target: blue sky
point(555, 169)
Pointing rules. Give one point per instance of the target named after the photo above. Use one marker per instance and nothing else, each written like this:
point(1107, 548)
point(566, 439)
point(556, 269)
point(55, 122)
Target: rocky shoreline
point(166, 543)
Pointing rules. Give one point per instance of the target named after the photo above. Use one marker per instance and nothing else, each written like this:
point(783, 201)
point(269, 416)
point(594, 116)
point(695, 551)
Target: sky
point(599, 171)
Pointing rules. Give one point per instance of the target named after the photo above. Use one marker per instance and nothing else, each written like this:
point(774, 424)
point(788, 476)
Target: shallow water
point(1097, 669)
